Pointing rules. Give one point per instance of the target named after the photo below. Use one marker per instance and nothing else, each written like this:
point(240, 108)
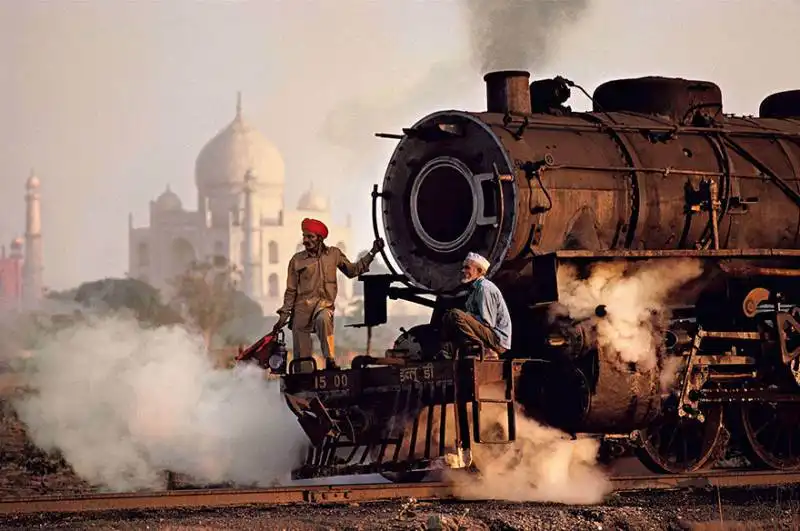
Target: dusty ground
point(26, 471)
point(761, 509)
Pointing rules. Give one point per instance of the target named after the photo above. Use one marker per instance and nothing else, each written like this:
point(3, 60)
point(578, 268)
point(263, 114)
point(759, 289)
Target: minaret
point(34, 262)
point(250, 263)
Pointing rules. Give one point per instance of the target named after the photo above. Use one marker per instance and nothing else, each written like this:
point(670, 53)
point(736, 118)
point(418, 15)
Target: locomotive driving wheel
point(773, 434)
point(678, 445)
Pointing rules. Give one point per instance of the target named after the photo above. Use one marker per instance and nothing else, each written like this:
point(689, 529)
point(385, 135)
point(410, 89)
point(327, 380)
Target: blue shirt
point(486, 303)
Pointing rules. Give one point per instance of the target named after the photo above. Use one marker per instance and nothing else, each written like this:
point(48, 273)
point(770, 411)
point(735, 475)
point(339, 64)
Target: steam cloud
point(512, 34)
point(543, 464)
point(517, 34)
point(635, 297)
point(124, 404)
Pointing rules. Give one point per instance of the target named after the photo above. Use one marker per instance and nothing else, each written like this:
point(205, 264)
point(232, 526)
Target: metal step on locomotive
point(654, 174)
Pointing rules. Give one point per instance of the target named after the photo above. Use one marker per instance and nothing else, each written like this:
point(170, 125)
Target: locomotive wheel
point(773, 434)
point(679, 445)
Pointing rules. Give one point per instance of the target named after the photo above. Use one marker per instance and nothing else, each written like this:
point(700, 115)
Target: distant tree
point(116, 294)
point(112, 294)
point(67, 308)
point(31, 329)
point(247, 323)
point(65, 295)
point(207, 296)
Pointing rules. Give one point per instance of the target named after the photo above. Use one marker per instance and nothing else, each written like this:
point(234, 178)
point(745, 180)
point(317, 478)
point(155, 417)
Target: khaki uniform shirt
point(311, 282)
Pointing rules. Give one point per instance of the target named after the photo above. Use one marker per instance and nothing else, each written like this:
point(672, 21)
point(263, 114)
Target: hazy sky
point(111, 100)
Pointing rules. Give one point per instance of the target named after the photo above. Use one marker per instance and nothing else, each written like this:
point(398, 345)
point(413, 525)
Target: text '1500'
point(328, 381)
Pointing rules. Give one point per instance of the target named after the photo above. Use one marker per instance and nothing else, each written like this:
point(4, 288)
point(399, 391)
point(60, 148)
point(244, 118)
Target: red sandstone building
point(21, 275)
point(11, 276)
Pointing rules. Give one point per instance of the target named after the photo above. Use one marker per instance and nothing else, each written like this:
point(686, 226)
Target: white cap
point(478, 260)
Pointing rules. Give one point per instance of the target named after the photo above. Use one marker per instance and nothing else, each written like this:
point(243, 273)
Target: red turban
point(315, 226)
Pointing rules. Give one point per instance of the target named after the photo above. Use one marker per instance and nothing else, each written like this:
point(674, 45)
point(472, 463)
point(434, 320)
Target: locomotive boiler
point(656, 175)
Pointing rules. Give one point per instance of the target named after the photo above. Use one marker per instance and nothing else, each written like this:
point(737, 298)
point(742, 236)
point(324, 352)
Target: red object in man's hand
point(258, 350)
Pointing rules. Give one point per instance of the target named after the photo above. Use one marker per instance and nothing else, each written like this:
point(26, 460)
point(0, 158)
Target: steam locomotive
point(655, 173)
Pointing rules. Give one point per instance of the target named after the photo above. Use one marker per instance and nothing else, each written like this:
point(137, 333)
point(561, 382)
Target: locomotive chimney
point(507, 91)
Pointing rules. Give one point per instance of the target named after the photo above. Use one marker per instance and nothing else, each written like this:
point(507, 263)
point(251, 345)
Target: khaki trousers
point(460, 329)
point(322, 325)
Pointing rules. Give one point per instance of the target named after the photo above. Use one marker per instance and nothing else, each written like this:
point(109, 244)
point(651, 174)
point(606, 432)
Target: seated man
point(486, 324)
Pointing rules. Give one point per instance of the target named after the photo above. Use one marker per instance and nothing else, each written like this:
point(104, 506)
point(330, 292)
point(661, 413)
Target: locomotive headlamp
point(277, 358)
point(269, 351)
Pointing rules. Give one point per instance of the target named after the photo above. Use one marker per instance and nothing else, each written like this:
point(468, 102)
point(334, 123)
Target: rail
point(333, 494)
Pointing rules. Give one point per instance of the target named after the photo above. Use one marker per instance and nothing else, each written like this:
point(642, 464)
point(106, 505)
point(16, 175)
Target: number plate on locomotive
point(335, 381)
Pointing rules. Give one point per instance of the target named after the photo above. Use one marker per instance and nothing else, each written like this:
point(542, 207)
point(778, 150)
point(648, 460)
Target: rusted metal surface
point(679, 253)
point(767, 428)
point(655, 183)
point(404, 419)
point(374, 418)
point(655, 172)
point(222, 498)
point(680, 445)
point(679, 99)
point(622, 399)
point(706, 480)
point(507, 92)
point(344, 494)
point(750, 271)
point(784, 104)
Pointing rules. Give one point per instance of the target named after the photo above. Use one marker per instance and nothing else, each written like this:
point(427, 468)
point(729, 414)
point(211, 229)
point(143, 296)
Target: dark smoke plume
point(517, 34)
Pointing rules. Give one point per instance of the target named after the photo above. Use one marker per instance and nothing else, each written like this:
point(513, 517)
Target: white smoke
point(670, 369)
point(543, 464)
point(635, 298)
point(124, 404)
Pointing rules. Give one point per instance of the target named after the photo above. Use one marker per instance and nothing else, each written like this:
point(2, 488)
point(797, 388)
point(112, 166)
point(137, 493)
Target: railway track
point(197, 498)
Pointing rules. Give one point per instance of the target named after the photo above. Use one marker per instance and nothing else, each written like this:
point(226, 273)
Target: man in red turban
point(314, 226)
point(311, 289)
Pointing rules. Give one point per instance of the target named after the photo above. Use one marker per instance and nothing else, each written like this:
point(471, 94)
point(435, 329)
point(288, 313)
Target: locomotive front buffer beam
point(407, 417)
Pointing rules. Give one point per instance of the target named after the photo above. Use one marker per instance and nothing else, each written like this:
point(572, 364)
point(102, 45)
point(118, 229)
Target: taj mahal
point(240, 216)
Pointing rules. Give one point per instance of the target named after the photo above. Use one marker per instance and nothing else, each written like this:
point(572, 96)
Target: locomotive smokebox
point(507, 91)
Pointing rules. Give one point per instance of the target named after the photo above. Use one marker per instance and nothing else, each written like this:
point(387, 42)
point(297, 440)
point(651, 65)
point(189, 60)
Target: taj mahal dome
point(240, 216)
